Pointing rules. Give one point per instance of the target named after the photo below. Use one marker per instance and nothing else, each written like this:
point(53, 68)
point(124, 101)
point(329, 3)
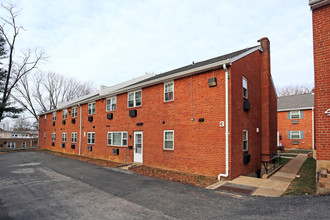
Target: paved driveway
point(35, 185)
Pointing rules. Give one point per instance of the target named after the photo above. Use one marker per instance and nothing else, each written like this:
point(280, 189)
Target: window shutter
point(301, 134)
point(301, 114)
point(288, 134)
point(288, 115)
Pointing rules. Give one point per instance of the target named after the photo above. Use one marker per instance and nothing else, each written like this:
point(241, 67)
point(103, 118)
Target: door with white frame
point(138, 146)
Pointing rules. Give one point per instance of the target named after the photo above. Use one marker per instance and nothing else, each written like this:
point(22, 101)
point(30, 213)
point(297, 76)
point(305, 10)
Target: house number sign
point(327, 112)
point(222, 123)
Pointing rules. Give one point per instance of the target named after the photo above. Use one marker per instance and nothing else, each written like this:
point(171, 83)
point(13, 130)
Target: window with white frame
point(54, 116)
point(245, 88)
point(45, 117)
point(63, 137)
point(111, 104)
point(294, 114)
point(11, 144)
point(169, 91)
point(91, 108)
point(23, 144)
point(169, 140)
point(295, 135)
point(245, 140)
point(65, 114)
point(44, 136)
point(134, 99)
point(91, 138)
point(117, 138)
point(74, 137)
point(53, 137)
point(74, 112)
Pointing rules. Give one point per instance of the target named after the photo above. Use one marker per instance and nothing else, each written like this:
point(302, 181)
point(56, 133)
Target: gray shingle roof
point(201, 63)
point(304, 101)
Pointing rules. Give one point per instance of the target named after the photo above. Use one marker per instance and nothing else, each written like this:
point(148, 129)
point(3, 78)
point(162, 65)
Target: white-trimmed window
point(23, 144)
point(168, 140)
point(117, 138)
point(53, 137)
point(11, 144)
point(245, 140)
point(111, 104)
point(74, 137)
point(44, 136)
point(169, 91)
point(91, 108)
point(134, 99)
point(245, 87)
point(54, 116)
point(45, 117)
point(64, 137)
point(90, 137)
point(74, 112)
point(296, 135)
point(65, 114)
point(294, 114)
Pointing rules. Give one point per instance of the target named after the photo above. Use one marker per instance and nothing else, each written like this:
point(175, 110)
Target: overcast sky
point(109, 42)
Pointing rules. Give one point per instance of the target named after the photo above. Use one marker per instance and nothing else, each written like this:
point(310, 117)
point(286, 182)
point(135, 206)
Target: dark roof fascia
point(315, 4)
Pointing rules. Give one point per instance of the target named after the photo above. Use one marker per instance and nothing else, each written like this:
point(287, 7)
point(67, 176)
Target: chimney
point(267, 132)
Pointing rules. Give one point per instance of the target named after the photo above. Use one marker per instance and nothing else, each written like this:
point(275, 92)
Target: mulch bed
point(174, 176)
point(104, 163)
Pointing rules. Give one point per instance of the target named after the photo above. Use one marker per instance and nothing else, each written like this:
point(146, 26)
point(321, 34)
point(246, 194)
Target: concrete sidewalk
point(277, 184)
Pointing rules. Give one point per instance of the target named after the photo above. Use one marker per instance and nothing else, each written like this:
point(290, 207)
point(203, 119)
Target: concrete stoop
point(128, 166)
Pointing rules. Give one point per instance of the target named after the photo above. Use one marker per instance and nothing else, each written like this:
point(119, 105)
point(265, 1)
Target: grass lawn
point(284, 161)
point(306, 184)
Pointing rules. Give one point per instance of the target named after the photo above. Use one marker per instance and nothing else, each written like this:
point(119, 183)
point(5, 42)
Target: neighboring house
point(321, 45)
point(295, 119)
point(216, 117)
point(18, 139)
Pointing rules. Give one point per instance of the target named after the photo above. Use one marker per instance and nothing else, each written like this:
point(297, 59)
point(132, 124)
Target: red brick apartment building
point(295, 121)
point(215, 117)
point(321, 44)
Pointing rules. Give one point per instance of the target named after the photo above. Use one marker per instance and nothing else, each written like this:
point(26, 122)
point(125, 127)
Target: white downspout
point(313, 128)
point(227, 127)
point(80, 110)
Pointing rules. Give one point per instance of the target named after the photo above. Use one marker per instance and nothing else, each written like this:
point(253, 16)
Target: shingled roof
point(292, 102)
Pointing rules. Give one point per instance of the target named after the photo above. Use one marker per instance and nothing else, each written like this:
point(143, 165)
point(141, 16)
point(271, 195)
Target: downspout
point(227, 127)
point(313, 128)
point(80, 110)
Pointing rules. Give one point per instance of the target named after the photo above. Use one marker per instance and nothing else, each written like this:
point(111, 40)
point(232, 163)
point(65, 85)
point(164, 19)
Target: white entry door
point(138, 146)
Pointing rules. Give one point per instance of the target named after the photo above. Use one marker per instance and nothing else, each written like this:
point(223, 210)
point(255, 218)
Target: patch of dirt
point(174, 176)
point(104, 163)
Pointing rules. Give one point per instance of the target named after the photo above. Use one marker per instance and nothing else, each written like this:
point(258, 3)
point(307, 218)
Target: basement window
point(74, 137)
point(245, 88)
point(168, 140)
point(117, 138)
point(63, 137)
point(111, 104)
point(134, 99)
point(169, 91)
point(91, 138)
point(245, 140)
point(91, 108)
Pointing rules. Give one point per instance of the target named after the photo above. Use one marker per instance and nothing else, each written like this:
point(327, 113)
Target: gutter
point(227, 127)
point(313, 129)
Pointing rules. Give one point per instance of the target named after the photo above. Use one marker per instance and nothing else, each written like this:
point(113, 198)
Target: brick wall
point(304, 124)
point(321, 38)
point(29, 142)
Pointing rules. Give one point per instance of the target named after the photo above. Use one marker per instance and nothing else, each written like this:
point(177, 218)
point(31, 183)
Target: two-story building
point(295, 121)
point(215, 117)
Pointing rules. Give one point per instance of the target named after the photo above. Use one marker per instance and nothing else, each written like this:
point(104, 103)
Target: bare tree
point(22, 124)
point(15, 67)
point(42, 92)
point(294, 89)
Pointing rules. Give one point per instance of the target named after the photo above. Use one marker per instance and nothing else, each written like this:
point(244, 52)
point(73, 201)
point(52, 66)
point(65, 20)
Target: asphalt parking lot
point(35, 185)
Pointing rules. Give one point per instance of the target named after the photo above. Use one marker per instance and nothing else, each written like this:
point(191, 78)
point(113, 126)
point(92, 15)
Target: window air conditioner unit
point(63, 145)
point(110, 116)
point(246, 158)
point(115, 151)
point(90, 118)
point(246, 105)
point(73, 146)
point(53, 144)
point(133, 113)
point(53, 123)
point(89, 148)
point(73, 121)
point(63, 122)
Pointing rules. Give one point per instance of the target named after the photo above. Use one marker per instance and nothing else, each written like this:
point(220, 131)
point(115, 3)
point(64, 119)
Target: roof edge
point(292, 109)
